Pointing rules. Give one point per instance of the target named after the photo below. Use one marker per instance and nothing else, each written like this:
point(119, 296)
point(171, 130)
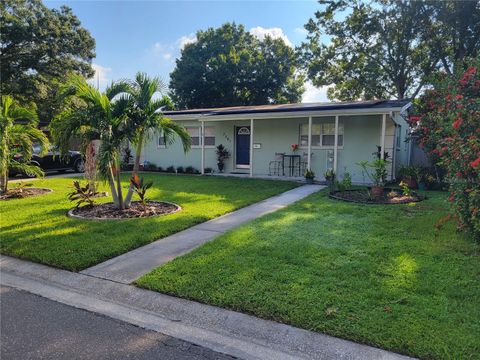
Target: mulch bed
point(108, 211)
point(23, 193)
point(362, 196)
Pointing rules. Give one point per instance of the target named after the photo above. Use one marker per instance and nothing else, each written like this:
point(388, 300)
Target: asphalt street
point(32, 327)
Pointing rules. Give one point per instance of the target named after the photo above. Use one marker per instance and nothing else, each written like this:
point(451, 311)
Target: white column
point(382, 139)
point(335, 146)
point(251, 147)
point(202, 136)
point(309, 156)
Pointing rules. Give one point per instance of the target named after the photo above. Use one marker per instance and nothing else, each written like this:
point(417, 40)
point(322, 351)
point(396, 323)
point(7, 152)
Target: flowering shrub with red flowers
point(447, 123)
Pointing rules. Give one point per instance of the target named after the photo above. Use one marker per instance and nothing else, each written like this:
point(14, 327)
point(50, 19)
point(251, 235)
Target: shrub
point(82, 194)
point(148, 166)
point(347, 180)
point(190, 170)
point(170, 169)
point(180, 170)
point(141, 188)
point(447, 124)
point(208, 170)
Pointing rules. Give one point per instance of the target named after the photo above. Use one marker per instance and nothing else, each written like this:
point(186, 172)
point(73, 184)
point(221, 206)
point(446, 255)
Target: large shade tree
point(228, 66)
point(39, 47)
point(145, 116)
point(19, 132)
point(387, 48)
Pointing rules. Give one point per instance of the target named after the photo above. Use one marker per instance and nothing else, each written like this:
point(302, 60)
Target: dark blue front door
point(242, 136)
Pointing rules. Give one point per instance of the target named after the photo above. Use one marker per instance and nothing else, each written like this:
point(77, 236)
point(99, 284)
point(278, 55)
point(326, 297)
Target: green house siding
point(361, 135)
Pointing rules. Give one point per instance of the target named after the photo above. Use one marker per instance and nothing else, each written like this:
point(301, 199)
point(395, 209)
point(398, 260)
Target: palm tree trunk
point(119, 186)
point(4, 181)
point(91, 154)
point(136, 167)
point(111, 183)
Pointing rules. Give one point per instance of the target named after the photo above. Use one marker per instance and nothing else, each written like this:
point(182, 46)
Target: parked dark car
point(53, 161)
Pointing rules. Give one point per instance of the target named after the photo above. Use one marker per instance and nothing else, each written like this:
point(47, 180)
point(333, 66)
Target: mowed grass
point(38, 229)
point(380, 275)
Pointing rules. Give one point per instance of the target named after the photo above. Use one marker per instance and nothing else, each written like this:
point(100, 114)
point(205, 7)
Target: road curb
point(225, 331)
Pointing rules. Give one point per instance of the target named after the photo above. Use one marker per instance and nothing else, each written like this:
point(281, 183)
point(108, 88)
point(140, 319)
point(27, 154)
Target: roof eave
point(285, 114)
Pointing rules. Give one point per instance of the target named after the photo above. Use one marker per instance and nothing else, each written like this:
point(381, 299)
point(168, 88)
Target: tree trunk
point(111, 183)
point(91, 154)
point(136, 167)
point(119, 186)
point(4, 181)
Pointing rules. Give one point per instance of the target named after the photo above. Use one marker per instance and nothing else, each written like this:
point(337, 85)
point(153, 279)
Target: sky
point(147, 36)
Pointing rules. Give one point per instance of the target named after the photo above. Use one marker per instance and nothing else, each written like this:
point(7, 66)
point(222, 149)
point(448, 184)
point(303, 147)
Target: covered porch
point(288, 146)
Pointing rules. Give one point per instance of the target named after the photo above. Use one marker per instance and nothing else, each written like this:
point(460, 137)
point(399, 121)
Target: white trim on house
point(285, 115)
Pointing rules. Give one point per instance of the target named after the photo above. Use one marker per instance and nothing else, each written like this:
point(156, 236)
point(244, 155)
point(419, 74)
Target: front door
point(242, 144)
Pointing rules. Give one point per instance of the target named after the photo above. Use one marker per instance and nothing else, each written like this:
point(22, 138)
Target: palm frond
point(172, 129)
point(26, 168)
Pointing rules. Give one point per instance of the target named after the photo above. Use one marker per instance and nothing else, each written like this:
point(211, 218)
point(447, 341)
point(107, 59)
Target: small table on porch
point(292, 159)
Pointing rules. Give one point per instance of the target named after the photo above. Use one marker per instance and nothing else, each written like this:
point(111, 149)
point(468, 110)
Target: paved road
point(33, 327)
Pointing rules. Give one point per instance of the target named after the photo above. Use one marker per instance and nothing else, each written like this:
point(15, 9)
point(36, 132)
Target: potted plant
point(294, 148)
point(309, 176)
point(222, 155)
point(377, 173)
point(329, 177)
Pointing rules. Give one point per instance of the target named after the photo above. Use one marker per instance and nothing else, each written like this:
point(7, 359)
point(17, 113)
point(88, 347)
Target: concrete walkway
point(220, 330)
point(130, 266)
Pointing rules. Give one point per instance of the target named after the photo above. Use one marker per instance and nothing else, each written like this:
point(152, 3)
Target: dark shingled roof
point(322, 106)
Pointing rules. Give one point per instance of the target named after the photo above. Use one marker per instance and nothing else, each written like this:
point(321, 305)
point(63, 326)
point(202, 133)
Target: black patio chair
point(275, 167)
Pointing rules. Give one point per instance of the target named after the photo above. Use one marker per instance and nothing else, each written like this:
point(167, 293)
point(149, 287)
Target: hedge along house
point(260, 138)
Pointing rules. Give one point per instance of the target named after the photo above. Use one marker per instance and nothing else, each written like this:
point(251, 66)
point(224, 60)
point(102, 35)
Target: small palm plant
point(141, 188)
point(19, 132)
point(145, 116)
point(99, 117)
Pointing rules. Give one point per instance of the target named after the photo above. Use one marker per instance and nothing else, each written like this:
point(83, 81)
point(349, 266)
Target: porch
point(327, 140)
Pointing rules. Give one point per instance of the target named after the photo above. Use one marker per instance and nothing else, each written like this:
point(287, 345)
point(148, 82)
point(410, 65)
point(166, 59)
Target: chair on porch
point(275, 167)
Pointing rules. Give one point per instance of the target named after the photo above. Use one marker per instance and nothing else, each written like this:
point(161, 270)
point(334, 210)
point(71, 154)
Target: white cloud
point(186, 39)
point(100, 78)
point(301, 31)
point(162, 51)
point(275, 33)
point(314, 94)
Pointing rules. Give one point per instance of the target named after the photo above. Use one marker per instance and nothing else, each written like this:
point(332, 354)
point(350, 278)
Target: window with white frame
point(194, 133)
point(209, 136)
point(323, 135)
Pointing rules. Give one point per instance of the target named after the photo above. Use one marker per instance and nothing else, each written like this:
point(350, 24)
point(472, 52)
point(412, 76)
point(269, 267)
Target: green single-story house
point(260, 138)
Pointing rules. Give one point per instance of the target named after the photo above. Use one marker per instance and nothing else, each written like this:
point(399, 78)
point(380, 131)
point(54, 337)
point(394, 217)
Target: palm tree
point(18, 126)
point(92, 115)
point(145, 116)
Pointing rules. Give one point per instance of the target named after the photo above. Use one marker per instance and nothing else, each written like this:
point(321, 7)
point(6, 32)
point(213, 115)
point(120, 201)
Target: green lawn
point(380, 275)
point(38, 229)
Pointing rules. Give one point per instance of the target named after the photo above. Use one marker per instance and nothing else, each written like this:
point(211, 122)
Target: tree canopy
point(228, 66)
point(387, 48)
point(39, 47)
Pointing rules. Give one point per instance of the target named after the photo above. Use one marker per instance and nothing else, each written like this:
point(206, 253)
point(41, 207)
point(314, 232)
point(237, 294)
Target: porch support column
point(251, 147)
point(309, 156)
point(335, 147)
point(202, 169)
point(382, 138)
